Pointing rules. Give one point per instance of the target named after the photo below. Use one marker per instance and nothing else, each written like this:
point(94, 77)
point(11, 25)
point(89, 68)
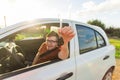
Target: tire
point(108, 75)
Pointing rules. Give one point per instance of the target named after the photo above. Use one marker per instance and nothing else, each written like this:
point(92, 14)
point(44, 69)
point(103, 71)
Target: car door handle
point(65, 76)
point(106, 57)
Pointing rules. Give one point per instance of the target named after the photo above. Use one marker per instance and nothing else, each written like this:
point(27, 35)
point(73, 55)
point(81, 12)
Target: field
point(116, 43)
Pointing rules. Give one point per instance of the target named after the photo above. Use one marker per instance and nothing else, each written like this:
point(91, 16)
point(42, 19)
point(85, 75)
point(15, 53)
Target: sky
point(14, 11)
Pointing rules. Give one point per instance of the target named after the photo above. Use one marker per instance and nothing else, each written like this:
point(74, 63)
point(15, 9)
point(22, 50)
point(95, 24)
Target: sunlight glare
point(18, 11)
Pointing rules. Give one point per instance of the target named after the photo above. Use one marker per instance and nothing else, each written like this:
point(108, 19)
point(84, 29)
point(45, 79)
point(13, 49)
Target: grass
point(116, 43)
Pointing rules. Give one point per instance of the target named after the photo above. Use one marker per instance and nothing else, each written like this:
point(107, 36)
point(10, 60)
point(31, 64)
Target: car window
point(86, 38)
point(35, 32)
point(89, 39)
point(21, 47)
point(30, 33)
point(100, 40)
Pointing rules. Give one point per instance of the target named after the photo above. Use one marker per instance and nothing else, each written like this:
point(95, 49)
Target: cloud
point(104, 7)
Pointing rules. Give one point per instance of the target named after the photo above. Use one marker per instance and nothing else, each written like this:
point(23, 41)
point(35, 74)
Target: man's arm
point(41, 50)
point(36, 59)
point(67, 34)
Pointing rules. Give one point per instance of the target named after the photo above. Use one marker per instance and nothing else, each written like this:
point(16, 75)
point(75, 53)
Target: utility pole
point(5, 21)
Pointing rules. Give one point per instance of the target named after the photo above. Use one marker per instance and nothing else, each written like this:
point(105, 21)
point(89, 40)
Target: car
point(91, 56)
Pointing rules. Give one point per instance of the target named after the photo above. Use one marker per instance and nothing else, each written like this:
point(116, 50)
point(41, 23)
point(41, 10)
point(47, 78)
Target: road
point(116, 74)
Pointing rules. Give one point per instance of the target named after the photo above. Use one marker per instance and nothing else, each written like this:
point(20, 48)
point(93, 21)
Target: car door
point(57, 70)
point(90, 54)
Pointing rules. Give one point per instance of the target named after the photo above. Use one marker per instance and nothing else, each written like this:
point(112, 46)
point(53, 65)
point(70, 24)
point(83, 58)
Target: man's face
point(51, 42)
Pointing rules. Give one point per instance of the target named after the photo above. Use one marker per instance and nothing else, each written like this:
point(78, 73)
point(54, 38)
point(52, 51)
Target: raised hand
point(67, 33)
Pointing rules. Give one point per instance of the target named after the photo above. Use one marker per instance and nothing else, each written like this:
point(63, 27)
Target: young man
point(52, 41)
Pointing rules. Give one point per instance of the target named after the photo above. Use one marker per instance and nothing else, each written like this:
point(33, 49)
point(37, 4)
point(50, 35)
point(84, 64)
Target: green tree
point(113, 32)
point(110, 31)
point(97, 23)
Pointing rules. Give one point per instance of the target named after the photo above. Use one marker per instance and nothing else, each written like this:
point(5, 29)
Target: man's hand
point(67, 33)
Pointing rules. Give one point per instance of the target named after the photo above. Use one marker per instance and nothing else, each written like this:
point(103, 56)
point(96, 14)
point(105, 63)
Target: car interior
point(19, 49)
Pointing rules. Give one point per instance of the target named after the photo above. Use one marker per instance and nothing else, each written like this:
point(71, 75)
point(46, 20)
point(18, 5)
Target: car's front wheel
point(108, 75)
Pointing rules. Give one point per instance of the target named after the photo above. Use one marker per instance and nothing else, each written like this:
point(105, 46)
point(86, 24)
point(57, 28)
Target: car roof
point(17, 25)
point(23, 23)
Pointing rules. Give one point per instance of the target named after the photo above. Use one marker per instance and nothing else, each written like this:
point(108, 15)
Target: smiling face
point(51, 42)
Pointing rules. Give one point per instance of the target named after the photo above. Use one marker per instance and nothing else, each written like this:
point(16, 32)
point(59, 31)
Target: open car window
point(35, 32)
point(19, 49)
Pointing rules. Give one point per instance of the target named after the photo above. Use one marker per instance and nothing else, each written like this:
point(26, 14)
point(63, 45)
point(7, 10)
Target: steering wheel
point(18, 56)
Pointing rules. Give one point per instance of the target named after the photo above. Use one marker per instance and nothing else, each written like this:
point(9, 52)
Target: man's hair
point(59, 39)
point(53, 33)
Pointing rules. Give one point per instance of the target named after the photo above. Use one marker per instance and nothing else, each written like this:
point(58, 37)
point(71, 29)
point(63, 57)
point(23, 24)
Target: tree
point(97, 23)
point(110, 31)
point(113, 32)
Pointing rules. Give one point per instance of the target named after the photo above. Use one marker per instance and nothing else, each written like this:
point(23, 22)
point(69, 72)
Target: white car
point(91, 57)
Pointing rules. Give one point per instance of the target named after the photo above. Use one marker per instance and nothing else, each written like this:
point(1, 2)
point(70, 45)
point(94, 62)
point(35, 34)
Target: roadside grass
point(116, 43)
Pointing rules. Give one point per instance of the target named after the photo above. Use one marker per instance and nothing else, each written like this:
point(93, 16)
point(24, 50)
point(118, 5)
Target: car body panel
point(49, 72)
